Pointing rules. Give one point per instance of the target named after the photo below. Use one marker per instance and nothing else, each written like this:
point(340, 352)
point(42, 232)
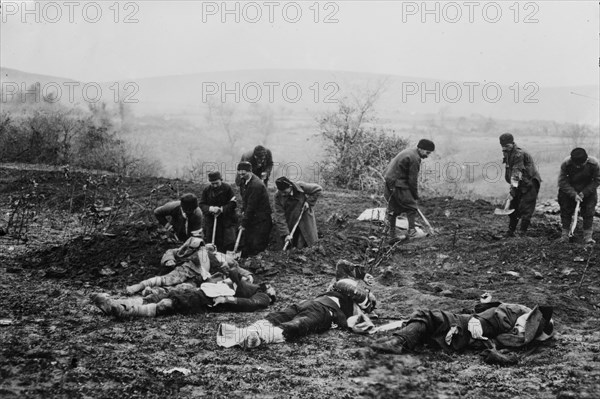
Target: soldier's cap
point(214, 176)
point(189, 202)
point(506, 138)
point(579, 156)
point(282, 183)
point(426, 145)
point(244, 165)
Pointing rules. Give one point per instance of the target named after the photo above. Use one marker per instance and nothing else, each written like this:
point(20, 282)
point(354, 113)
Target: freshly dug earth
point(55, 343)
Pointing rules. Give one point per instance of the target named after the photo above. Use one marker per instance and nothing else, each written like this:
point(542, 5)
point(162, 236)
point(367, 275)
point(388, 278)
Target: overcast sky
point(552, 43)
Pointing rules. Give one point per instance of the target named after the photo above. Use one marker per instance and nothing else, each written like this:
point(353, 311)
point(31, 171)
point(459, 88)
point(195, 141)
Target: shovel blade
point(499, 211)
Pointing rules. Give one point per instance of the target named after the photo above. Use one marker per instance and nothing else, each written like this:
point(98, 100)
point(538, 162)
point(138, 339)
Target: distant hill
point(308, 91)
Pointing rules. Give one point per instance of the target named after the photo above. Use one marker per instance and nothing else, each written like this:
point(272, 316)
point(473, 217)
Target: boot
point(123, 309)
point(512, 226)
point(392, 226)
point(524, 226)
point(587, 236)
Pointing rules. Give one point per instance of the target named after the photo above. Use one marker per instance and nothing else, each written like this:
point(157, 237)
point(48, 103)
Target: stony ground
point(54, 343)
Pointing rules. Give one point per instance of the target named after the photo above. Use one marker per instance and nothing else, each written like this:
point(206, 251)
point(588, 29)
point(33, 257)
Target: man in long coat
point(218, 202)
point(291, 200)
point(256, 211)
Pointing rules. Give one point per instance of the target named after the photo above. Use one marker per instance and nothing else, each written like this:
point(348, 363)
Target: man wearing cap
point(401, 185)
point(293, 201)
point(509, 325)
point(524, 179)
point(261, 160)
point(218, 203)
point(577, 183)
point(256, 211)
point(183, 218)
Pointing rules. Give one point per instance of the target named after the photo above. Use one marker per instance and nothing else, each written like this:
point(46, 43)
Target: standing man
point(183, 218)
point(218, 204)
point(524, 180)
point(577, 183)
point(256, 211)
point(401, 185)
point(261, 160)
point(291, 199)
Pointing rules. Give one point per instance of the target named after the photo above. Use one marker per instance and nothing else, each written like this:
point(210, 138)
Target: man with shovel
point(577, 185)
point(294, 212)
point(218, 203)
point(182, 218)
point(524, 179)
point(256, 211)
point(401, 185)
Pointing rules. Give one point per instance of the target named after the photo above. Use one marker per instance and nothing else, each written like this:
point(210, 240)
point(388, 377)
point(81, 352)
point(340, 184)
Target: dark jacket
point(222, 196)
point(288, 208)
point(255, 207)
point(259, 169)
point(182, 227)
point(403, 171)
point(520, 167)
point(585, 179)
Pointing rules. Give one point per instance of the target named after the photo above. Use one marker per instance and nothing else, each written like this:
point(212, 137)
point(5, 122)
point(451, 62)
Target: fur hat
point(426, 145)
point(579, 156)
point(189, 202)
point(506, 138)
point(244, 165)
point(214, 176)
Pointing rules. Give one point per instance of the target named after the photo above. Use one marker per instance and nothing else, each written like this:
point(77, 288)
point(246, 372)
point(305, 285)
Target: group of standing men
point(578, 181)
point(215, 216)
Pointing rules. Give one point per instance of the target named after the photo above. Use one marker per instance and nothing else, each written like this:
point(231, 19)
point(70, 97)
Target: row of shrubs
point(56, 135)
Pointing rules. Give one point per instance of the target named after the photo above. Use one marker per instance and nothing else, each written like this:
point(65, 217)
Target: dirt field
point(55, 343)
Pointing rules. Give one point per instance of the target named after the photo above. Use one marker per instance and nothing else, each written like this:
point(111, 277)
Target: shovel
point(505, 210)
point(574, 221)
point(235, 254)
point(294, 228)
point(214, 229)
point(426, 222)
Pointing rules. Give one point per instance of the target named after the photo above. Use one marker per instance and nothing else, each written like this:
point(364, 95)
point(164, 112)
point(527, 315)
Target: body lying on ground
point(192, 263)
point(234, 294)
point(345, 305)
point(503, 324)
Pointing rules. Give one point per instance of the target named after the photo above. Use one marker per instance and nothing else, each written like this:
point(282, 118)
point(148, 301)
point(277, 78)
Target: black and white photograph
point(299, 199)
